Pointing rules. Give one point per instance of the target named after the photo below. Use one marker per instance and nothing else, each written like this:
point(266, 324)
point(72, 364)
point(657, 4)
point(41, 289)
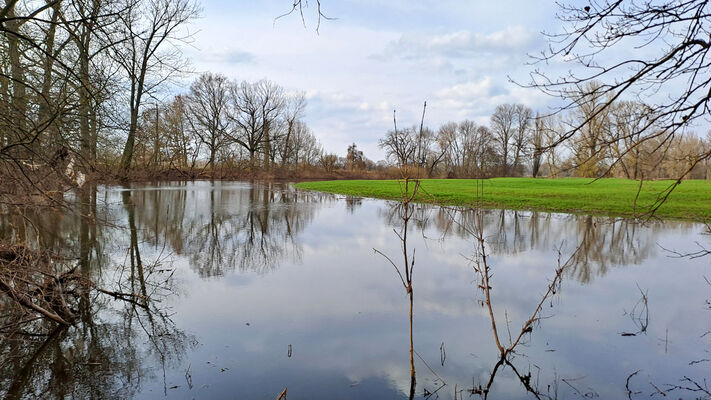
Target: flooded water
point(249, 289)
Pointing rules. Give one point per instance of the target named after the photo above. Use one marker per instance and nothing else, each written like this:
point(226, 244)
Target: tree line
point(83, 84)
point(84, 89)
point(222, 123)
point(607, 142)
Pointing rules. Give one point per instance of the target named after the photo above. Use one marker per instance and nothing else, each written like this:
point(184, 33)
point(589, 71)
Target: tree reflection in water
point(125, 240)
point(404, 271)
point(122, 334)
point(603, 243)
point(121, 328)
point(250, 229)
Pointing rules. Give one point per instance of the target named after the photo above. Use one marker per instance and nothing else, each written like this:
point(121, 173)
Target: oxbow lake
point(251, 288)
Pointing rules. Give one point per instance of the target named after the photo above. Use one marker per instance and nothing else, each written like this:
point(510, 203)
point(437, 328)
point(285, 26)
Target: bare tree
point(502, 122)
point(447, 138)
point(38, 82)
point(551, 132)
point(468, 149)
point(29, 68)
point(257, 108)
point(588, 144)
point(429, 153)
point(184, 146)
point(537, 143)
point(675, 37)
point(288, 144)
point(207, 114)
point(304, 147)
point(624, 136)
point(15, 77)
point(354, 158)
point(524, 117)
point(329, 162)
point(399, 146)
point(149, 55)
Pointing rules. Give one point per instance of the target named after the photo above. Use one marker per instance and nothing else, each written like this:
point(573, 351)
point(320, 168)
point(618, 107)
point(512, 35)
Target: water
point(254, 288)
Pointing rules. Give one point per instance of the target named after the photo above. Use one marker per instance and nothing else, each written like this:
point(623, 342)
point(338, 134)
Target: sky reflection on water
point(261, 267)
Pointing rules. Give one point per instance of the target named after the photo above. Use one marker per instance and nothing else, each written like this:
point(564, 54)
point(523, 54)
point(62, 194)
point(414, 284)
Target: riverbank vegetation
point(613, 197)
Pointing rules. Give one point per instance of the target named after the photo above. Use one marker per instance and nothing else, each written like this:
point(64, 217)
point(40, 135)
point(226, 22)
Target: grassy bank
point(691, 200)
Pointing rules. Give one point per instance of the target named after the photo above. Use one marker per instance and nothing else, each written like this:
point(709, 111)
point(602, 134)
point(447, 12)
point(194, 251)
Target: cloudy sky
point(378, 56)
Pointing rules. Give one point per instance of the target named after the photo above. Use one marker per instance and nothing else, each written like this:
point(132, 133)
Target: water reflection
point(406, 268)
point(94, 359)
point(281, 289)
point(120, 331)
point(254, 227)
point(246, 228)
point(593, 245)
point(604, 242)
point(120, 337)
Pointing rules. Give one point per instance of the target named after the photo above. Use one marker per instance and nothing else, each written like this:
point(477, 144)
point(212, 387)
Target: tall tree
point(89, 24)
point(149, 55)
point(288, 143)
point(354, 158)
point(400, 146)
point(537, 143)
point(503, 129)
point(257, 108)
point(468, 148)
point(623, 136)
point(520, 140)
point(588, 145)
point(208, 107)
point(16, 74)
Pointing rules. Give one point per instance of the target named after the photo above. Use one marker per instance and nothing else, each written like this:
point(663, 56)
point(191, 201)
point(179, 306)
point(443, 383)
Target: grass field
point(691, 200)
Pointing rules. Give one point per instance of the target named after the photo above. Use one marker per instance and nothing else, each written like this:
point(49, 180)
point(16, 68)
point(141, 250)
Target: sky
point(378, 56)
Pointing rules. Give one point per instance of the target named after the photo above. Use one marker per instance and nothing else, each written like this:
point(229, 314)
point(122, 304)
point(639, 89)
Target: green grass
point(691, 200)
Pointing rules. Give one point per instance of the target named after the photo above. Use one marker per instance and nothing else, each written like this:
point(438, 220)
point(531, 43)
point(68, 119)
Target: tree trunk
point(267, 146)
point(127, 155)
point(536, 163)
point(84, 100)
point(17, 73)
point(45, 103)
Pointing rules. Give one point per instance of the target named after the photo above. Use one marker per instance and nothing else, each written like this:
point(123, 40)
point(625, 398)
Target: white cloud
point(468, 90)
point(457, 58)
point(460, 43)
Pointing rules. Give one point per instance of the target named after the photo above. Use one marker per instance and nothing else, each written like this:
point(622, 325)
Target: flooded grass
point(690, 200)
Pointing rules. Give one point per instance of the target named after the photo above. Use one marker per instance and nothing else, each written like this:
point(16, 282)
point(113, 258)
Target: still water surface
point(255, 288)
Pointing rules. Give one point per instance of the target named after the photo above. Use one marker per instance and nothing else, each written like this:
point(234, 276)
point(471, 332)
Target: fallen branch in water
point(44, 286)
point(25, 301)
point(127, 297)
point(28, 277)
